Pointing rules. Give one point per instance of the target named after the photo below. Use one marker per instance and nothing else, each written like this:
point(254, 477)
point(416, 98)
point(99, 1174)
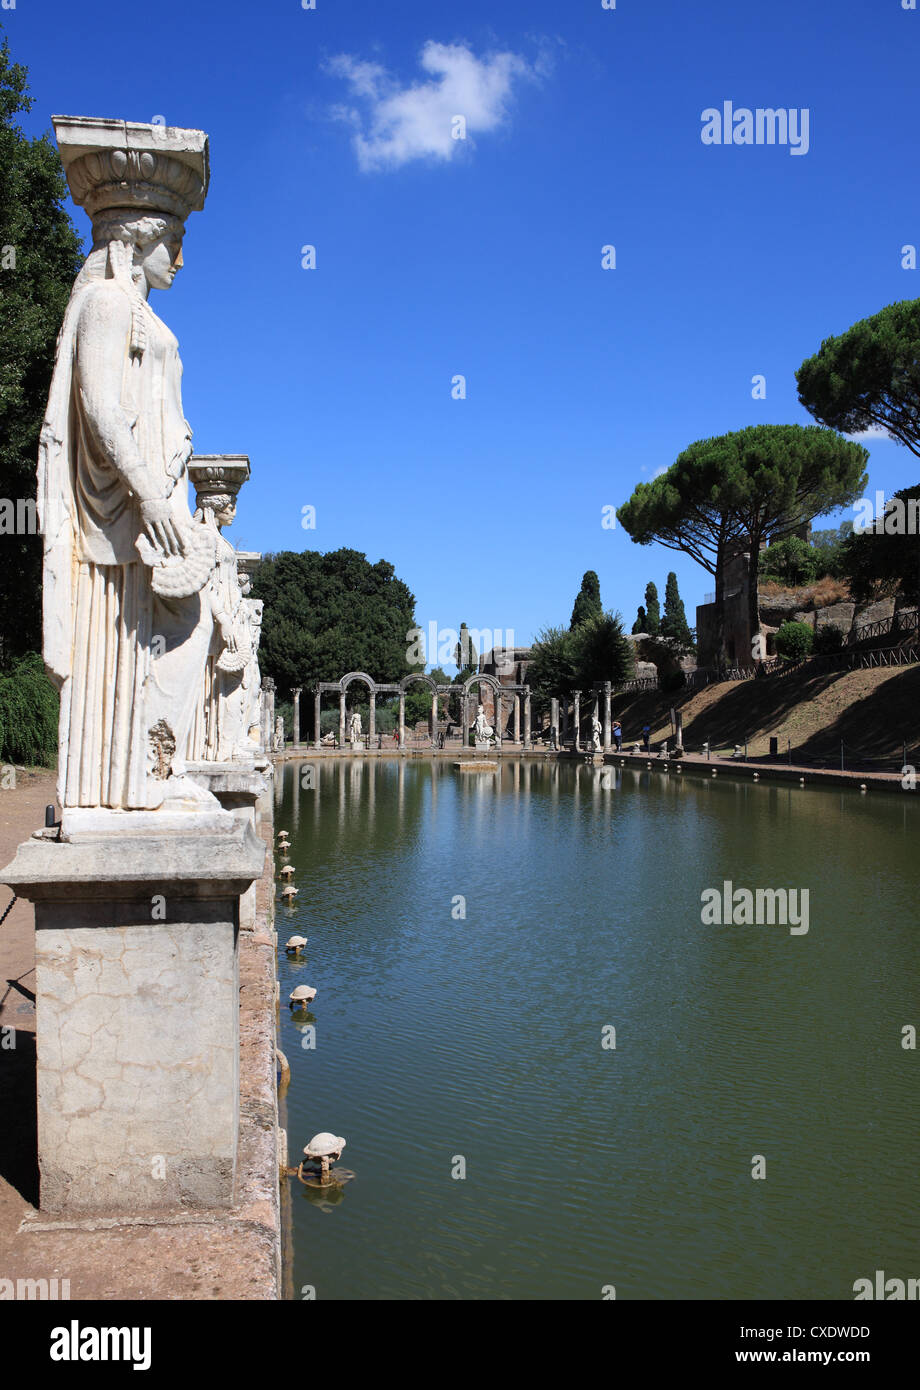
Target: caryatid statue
point(222, 724)
point(126, 630)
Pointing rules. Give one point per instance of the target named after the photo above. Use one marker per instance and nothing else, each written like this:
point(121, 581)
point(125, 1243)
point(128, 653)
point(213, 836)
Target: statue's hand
point(227, 633)
point(161, 528)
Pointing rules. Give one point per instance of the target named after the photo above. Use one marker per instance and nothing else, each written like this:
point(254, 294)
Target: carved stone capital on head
point(268, 684)
point(125, 165)
point(218, 475)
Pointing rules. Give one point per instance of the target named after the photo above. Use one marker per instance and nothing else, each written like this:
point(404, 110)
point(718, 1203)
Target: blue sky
point(482, 257)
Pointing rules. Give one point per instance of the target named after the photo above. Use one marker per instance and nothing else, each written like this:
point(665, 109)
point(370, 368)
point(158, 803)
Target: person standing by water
point(617, 734)
point(646, 737)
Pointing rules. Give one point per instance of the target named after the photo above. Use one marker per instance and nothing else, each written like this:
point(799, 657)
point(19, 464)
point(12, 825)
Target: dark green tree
point(737, 489)
point(40, 255)
point(327, 614)
point(885, 558)
point(587, 601)
point(674, 622)
point(602, 652)
point(791, 561)
point(466, 657)
point(652, 610)
point(552, 668)
point(640, 625)
point(869, 376)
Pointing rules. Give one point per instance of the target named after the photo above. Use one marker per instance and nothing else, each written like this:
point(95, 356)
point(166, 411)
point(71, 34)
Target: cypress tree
point(640, 624)
point(674, 623)
point(652, 610)
point(588, 600)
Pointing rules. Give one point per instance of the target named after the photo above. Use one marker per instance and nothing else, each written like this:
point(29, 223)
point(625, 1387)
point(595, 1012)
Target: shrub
point(828, 639)
point(671, 681)
point(794, 640)
point(28, 714)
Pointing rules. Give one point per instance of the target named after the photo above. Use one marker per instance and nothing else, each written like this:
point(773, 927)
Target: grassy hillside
point(873, 711)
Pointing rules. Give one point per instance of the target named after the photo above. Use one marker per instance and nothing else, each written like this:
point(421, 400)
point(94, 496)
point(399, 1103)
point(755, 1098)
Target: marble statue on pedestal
point(356, 732)
point(221, 729)
point(482, 731)
point(596, 734)
point(126, 628)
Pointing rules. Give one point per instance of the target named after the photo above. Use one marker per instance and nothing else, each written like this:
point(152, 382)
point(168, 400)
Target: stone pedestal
point(137, 1001)
point(240, 788)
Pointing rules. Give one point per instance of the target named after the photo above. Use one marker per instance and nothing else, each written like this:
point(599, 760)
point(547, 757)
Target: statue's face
point(161, 260)
point(226, 515)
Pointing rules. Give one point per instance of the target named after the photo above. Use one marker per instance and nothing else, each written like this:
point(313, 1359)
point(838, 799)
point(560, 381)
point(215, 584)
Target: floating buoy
point(295, 945)
point(801, 781)
point(756, 776)
point(862, 786)
point(714, 772)
point(302, 996)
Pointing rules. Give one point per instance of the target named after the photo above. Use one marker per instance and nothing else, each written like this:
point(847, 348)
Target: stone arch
point(492, 681)
point(346, 681)
point(419, 676)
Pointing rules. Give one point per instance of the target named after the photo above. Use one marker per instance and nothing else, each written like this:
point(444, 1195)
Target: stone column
point(497, 704)
point(606, 716)
point(317, 700)
point(564, 714)
point(137, 986)
point(527, 739)
point(554, 719)
point(296, 729)
point(402, 719)
point(268, 713)
point(576, 719)
point(372, 720)
point(516, 697)
point(434, 718)
point(341, 718)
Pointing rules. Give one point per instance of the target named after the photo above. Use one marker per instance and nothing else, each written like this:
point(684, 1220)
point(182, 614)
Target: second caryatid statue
point(138, 594)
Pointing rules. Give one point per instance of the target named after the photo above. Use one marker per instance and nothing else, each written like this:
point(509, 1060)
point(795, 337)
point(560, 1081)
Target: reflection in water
point(481, 1037)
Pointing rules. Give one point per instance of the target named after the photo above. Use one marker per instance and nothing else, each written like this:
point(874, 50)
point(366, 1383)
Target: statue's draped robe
point(218, 730)
point(122, 657)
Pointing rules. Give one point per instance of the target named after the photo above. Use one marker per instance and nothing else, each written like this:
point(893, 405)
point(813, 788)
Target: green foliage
point(33, 296)
point(885, 559)
point(465, 648)
point(564, 660)
point(552, 668)
point(329, 614)
point(869, 376)
point(587, 601)
point(602, 652)
point(791, 561)
point(652, 610)
point(674, 623)
point(640, 625)
point(671, 681)
point(28, 714)
point(794, 640)
point(418, 698)
point(828, 639)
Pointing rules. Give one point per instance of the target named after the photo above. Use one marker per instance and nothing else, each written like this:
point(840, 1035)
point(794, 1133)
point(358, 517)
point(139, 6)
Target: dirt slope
point(874, 712)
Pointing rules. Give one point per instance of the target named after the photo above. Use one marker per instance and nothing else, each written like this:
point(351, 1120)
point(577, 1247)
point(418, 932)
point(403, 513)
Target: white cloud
point(395, 124)
point(873, 432)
